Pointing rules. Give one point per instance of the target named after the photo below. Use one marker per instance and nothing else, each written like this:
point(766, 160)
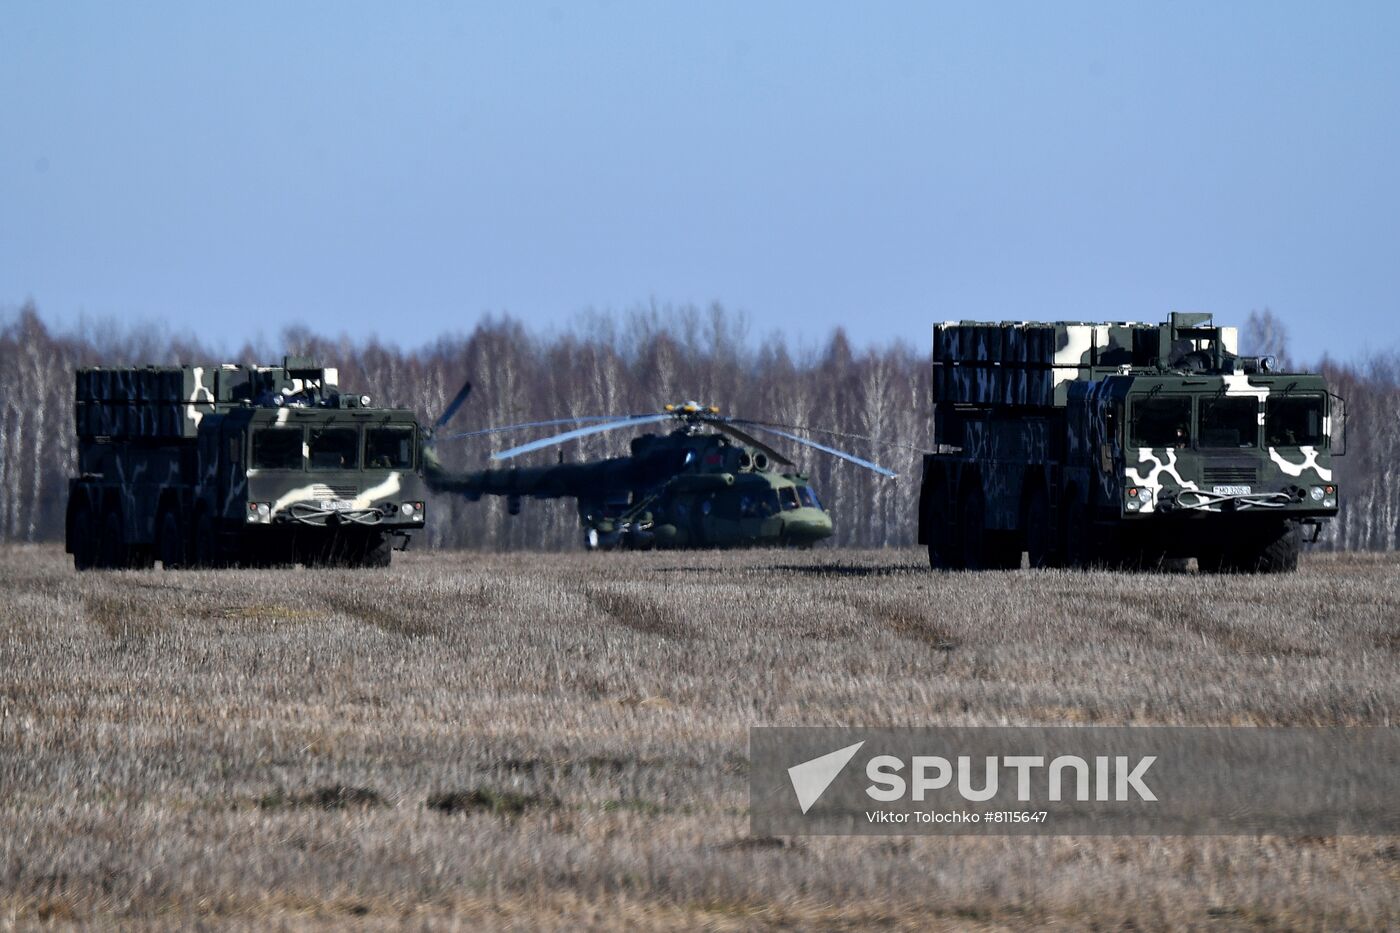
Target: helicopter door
point(701, 519)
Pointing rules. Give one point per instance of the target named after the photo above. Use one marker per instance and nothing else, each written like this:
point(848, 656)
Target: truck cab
point(1184, 445)
point(233, 464)
point(308, 484)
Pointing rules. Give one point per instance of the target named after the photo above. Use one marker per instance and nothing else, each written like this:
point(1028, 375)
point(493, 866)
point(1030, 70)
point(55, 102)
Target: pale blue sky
point(401, 169)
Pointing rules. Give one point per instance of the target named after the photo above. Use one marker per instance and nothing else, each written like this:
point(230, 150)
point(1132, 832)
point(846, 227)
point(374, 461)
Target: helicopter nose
point(807, 527)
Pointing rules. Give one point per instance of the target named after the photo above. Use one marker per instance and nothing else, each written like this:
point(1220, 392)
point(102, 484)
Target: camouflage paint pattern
point(1027, 406)
point(154, 440)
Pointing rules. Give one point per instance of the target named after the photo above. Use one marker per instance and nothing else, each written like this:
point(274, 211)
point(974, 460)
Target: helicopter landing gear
point(595, 540)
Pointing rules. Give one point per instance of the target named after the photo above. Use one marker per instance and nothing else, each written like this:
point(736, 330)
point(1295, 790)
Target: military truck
point(238, 465)
point(1121, 445)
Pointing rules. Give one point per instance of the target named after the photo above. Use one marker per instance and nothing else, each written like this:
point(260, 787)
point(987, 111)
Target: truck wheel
point(972, 525)
point(1280, 555)
point(1274, 551)
point(111, 550)
point(1001, 550)
point(1040, 540)
point(380, 551)
point(943, 552)
point(84, 540)
point(206, 543)
point(172, 541)
point(1078, 547)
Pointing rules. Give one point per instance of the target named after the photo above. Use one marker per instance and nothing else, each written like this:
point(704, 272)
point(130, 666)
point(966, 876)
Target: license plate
point(337, 505)
point(1232, 490)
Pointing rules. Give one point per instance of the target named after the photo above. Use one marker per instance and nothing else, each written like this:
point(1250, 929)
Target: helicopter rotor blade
point(747, 438)
point(580, 432)
point(452, 406)
point(534, 424)
point(852, 458)
point(842, 434)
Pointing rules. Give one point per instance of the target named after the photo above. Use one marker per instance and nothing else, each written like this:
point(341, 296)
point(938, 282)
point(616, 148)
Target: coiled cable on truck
point(306, 513)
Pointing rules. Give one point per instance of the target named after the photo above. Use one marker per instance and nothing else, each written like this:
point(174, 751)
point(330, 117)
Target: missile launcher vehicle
point(235, 465)
point(1121, 445)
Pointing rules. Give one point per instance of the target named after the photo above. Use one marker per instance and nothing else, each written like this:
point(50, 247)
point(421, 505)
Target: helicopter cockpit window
point(788, 496)
point(766, 504)
point(808, 498)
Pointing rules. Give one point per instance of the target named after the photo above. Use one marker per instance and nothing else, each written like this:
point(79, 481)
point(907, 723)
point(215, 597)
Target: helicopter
point(707, 483)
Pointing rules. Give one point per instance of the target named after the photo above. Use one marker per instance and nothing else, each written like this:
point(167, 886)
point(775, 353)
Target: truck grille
point(322, 491)
point(1230, 474)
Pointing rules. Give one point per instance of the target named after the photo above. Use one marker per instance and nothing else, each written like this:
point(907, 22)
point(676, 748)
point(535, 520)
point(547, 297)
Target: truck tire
point(972, 529)
point(1275, 550)
point(111, 549)
point(1040, 537)
point(1280, 555)
point(1001, 550)
point(83, 531)
point(943, 550)
point(174, 549)
point(379, 552)
point(1079, 548)
point(206, 543)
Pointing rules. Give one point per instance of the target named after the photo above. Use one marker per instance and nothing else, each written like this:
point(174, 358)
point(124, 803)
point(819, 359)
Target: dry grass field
point(560, 741)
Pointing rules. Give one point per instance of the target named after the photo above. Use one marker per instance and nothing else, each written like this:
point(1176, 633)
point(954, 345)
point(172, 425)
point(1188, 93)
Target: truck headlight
point(406, 509)
point(1316, 493)
point(1145, 494)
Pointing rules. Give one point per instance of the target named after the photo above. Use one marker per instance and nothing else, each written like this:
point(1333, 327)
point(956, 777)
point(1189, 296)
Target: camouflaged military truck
point(231, 465)
point(1121, 445)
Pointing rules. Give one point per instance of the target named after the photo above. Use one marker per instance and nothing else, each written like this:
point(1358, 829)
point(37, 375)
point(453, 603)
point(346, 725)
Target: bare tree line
point(621, 364)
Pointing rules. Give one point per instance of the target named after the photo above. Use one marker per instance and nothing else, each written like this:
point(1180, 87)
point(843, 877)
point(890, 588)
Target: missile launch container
point(235, 465)
point(1121, 445)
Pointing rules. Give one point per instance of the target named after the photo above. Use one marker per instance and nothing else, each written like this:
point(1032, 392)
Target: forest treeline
point(622, 364)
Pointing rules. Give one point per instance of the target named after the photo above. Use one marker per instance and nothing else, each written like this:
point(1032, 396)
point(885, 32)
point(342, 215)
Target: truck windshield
point(389, 448)
point(1230, 421)
point(277, 449)
point(1163, 421)
point(1293, 422)
point(334, 448)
